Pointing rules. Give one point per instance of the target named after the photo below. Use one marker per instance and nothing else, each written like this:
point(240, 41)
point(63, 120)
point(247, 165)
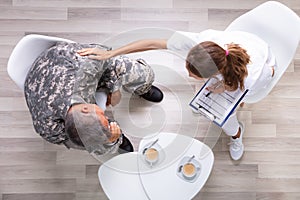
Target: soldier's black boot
point(153, 95)
point(126, 146)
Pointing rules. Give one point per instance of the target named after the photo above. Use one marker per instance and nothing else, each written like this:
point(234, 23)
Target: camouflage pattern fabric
point(135, 76)
point(60, 78)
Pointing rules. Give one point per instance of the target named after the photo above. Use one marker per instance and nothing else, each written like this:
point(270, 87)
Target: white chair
point(277, 25)
point(25, 53)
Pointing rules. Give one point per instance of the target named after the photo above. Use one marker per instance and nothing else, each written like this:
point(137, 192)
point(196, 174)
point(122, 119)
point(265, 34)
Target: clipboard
point(217, 107)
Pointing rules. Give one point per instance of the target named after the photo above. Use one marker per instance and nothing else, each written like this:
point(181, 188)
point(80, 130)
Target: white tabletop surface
point(128, 175)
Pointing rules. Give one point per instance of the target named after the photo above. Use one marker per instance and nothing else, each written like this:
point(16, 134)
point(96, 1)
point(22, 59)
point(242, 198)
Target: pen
point(214, 88)
point(208, 94)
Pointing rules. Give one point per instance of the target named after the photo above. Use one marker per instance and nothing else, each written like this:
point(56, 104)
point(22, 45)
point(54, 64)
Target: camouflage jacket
point(59, 78)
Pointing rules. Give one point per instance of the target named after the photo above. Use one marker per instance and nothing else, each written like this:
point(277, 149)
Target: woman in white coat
point(242, 60)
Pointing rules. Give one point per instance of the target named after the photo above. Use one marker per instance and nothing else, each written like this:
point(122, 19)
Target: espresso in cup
point(189, 170)
point(151, 155)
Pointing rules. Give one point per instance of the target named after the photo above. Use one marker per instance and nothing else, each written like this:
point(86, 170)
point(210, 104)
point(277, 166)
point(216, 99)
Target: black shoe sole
point(126, 146)
point(156, 98)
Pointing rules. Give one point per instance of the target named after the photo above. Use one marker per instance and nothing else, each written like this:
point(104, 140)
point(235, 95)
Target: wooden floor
point(31, 169)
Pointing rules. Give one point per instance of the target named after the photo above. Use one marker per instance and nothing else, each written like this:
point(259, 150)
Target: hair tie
point(226, 52)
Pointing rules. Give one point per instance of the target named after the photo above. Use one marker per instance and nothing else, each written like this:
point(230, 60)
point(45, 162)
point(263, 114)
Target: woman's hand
point(217, 87)
point(96, 53)
point(115, 131)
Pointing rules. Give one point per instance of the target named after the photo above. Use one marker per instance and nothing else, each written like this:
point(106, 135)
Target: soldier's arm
point(137, 46)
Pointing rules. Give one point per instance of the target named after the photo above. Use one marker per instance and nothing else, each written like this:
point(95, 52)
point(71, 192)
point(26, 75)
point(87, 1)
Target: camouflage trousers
point(134, 76)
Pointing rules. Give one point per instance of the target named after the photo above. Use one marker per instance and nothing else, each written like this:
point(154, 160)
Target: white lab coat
point(259, 69)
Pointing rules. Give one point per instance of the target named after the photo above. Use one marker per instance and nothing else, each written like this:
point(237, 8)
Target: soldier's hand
point(115, 131)
point(95, 53)
point(108, 101)
point(115, 98)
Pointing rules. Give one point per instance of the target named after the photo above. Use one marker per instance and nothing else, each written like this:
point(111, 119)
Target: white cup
point(151, 155)
point(189, 170)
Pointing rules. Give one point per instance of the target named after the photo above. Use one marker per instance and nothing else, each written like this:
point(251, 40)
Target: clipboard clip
point(206, 113)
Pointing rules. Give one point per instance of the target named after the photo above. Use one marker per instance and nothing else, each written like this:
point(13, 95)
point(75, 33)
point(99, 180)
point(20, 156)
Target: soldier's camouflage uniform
point(60, 78)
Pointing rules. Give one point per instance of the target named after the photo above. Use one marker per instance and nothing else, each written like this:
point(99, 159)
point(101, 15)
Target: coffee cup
point(189, 170)
point(151, 155)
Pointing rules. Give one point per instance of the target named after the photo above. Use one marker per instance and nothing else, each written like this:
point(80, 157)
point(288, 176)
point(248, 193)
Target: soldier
point(60, 93)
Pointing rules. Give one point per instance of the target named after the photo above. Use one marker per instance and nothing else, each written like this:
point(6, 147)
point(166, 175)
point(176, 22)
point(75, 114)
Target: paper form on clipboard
point(216, 106)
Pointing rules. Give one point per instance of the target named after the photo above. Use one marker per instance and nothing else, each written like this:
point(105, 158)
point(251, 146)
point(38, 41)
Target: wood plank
point(166, 14)
point(13, 104)
point(91, 185)
point(38, 186)
point(91, 195)
point(42, 171)
point(236, 178)
point(258, 157)
point(44, 196)
point(6, 2)
point(10, 38)
point(18, 131)
point(278, 195)
point(260, 130)
point(56, 25)
point(288, 130)
point(3, 65)
point(67, 3)
point(27, 158)
point(5, 50)
point(94, 13)
point(15, 118)
point(277, 185)
point(75, 157)
point(225, 4)
point(219, 18)
point(7, 87)
point(92, 171)
point(80, 37)
point(125, 25)
point(13, 12)
point(227, 195)
point(147, 4)
point(288, 116)
point(21, 144)
point(272, 144)
point(279, 171)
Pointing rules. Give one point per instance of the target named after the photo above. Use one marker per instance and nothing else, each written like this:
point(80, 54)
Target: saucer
point(184, 161)
point(158, 148)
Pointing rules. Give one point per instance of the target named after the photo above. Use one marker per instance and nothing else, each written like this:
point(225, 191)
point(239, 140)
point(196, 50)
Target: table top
point(133, 177)
point(176, 147)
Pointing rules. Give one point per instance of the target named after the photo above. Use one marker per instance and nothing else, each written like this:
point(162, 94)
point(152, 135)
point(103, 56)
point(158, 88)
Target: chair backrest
point(279, 26)
point(25, 53)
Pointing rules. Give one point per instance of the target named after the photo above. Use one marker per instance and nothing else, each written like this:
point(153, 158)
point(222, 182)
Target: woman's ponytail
point(235, 70)
point(208, 58)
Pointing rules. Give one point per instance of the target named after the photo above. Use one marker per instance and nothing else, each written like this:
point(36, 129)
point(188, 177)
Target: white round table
point(130, 176)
